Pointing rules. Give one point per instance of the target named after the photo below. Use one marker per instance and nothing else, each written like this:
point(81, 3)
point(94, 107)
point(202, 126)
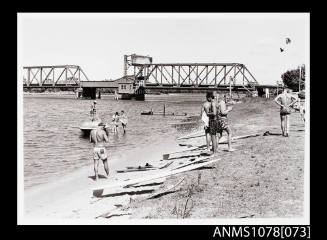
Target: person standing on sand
point(222, 121)
point(99, 137)
point(115, 119)
point(210, 108)
point(285, 100)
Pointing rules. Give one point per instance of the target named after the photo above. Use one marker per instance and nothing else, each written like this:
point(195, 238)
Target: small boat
point(88, 126)
point(147, 113)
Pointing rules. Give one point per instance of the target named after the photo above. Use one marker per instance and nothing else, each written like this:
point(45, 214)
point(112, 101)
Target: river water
point(54, 145)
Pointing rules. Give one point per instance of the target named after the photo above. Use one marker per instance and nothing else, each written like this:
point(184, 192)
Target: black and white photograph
point(163, 118)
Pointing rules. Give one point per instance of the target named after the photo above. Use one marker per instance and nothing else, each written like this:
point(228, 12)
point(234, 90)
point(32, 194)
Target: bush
point(291, 78)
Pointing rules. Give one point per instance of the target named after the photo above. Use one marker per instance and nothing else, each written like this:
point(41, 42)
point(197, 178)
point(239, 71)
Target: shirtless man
point(123, 119)
point(99, 137)
point(115, 119)
point(222, 123)
point(285, 100)
point(210, 108)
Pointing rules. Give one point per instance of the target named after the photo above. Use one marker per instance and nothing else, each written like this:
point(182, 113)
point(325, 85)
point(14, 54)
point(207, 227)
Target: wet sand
point(70, 197)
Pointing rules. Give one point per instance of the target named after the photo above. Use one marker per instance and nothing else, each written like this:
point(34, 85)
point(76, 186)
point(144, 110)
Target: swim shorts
point(222, 125)
point(212, 129)
point(100, 153)
point(285, 111)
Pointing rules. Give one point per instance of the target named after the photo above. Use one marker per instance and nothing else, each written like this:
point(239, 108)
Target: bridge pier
point(89, 92)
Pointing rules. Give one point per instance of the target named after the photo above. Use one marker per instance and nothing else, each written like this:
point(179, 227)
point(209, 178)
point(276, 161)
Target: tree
point(291, 78)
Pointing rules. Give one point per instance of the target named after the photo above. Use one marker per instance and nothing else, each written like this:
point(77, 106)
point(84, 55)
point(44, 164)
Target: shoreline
point(240, 185)
point(54, 200)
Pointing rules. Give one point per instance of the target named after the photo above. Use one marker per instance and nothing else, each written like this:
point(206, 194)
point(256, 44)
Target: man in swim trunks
point(115, 119)
point(123, 120)
point(285, 100)
point(99, 137)
point(222, 122)
point(210, 108)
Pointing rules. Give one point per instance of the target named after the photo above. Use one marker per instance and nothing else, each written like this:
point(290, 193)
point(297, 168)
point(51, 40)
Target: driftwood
point(113, 186)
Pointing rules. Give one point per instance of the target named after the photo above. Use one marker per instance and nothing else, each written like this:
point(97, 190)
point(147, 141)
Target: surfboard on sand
point(205, 119)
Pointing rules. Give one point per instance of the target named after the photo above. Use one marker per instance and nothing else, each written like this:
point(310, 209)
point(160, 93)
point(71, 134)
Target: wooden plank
point(166, 165)
point(135, 170)
point(119, 191)
point(148, 183)
point(164, 173)
point(195, 161)
point(222, 141)
point(166, 191)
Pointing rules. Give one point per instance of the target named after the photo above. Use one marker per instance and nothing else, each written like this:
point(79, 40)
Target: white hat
point(95, 101)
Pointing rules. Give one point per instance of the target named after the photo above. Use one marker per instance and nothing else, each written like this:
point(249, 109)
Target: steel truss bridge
point(195, 75)
point(54, 76)
point(170, 77)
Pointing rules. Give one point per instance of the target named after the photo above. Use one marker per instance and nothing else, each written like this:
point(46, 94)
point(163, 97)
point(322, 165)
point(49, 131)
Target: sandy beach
point(70, 197)
point(242, 184)
point(264, 178)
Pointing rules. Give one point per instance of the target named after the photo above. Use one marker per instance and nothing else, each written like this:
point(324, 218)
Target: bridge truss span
point(195, 74)
point(53, 76)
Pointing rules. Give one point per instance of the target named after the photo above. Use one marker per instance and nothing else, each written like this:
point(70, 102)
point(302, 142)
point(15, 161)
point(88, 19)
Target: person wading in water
point(99, 137)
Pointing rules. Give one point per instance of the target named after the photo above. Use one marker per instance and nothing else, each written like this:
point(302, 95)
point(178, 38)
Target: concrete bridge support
point(89, 92)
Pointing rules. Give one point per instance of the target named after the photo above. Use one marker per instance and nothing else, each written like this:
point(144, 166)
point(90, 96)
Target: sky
point(98, 42)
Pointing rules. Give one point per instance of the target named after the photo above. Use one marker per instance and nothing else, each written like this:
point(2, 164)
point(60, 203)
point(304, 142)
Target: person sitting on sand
point(210, 108)
point(99, 137)
point(123, 119)
point(115, 119)
point(222, 121)
point(285, 100)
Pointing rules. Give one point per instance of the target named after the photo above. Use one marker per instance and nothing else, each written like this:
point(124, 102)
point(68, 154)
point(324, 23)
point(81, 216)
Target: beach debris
point(117, 186)
point(139, 168)
point(166, 191)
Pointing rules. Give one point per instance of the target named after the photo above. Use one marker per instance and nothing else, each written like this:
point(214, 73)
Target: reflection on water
point(55, 146)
